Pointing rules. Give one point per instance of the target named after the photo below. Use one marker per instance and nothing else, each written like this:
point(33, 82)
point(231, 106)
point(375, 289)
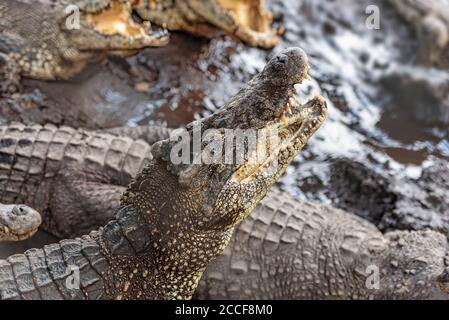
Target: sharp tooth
point(292, 102)
point(6, 229)
point(298, 101)
point(320, 98)
point(284, 119)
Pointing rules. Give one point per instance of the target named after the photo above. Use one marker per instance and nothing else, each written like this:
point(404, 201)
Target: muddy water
point(351, 67)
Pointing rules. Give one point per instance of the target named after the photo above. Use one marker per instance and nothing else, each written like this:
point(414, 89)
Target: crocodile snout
point(20, 210)
point(290, 66)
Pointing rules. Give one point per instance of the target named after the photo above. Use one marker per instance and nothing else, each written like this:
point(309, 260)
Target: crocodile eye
point(418, 264)
point(281, 59)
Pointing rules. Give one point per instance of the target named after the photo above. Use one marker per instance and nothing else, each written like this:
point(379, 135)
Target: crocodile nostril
point(19, 210)
point(282, 59)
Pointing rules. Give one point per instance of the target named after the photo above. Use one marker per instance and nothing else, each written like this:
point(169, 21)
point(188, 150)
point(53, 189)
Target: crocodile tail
point(70, 269)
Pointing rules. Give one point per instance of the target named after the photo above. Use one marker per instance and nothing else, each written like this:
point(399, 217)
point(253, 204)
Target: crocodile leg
point(9, 75)
point(91, 201)
point(48, 167)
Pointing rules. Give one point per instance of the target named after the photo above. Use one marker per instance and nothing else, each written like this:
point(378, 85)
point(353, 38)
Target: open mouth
point(295, 126)
point(120, 18)
point(16, 235)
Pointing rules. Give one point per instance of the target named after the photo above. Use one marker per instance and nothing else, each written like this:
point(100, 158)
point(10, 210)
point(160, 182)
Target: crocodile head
point(248, 20)
point(113, 26)
point(18, 222)
point(203, 193)
point(416, 265)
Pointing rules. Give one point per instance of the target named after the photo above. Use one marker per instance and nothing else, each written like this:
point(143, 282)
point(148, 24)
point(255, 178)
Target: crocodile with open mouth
point(247, 20)
point(18, 222)
point(266, 258)
point(52, 40)
point(173, 218)
point(269, 256)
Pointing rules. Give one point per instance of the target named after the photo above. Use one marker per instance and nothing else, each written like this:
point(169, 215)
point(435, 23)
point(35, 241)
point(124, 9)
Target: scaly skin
point(226, 276)
point(247, 20)
point(175, 218)
point(430, 18)
point(52, 169)
point(18, 222)
point(290, 249)
point(263, 257)
point(266, 253)
point(36, 41)
point(74, 178)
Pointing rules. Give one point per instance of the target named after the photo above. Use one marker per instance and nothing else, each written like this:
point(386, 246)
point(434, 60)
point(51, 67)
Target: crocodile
point(173, 218)
point(55, 39)
point(247, 20)
point(294, 249)
point(18, 222)
point(265, 258)
point(430, 18)
point(46, 167)
point(271, 236)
